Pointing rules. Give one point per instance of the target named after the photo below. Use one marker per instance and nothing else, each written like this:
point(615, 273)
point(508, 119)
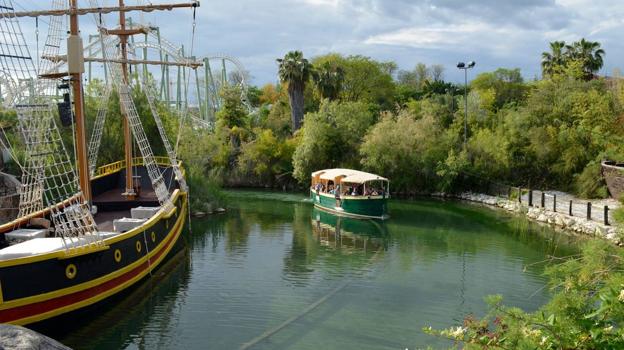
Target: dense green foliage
point(408, 125)
point(585, 312)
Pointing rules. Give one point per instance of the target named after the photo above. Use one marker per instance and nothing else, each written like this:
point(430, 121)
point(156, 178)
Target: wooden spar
point(189, 63)
point(75, 11)
point(81, 144)
point(123, 43)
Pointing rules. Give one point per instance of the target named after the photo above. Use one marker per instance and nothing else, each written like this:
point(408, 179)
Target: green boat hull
point(374, 207)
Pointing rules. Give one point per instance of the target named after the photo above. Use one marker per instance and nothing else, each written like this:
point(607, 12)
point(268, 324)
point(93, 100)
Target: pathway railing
point(561, 203)
point(550, 201)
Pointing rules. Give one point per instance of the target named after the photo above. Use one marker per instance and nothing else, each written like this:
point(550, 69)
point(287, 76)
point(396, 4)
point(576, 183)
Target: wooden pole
point(606, 215)
point(123, 43)
point(555, 203)
point(570, 210)
point(81, 144)
point(76, 11)
point(530, 197)
point(589, 205)
point(543, 200)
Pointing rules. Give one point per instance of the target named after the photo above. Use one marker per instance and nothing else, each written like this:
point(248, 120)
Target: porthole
point(117, 255)
point(138, 246)
point(153, 236)
point(71, 271)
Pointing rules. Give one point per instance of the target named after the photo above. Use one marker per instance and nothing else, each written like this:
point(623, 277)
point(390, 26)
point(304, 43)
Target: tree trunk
point(295, 94)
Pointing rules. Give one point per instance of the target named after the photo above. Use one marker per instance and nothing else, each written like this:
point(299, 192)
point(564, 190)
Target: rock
point(17, 337)
point(612, 236)
point(199, 214)
point(219, 210)
point(542, 218)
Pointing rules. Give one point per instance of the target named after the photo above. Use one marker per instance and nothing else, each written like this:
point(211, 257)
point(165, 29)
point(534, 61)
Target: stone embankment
point(563, 221)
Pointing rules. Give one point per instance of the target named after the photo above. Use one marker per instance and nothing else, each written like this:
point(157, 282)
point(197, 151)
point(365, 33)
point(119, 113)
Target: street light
point(465, 67)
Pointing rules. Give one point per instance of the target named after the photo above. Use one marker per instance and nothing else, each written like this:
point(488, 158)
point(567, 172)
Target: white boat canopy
point(347, 175)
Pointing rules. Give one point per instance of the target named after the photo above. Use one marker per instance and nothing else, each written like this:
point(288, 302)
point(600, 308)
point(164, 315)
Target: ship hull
point(361, 207)
point(40, 287)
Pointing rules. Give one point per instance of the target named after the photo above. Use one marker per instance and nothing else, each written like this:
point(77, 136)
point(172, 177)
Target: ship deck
point(113, 205)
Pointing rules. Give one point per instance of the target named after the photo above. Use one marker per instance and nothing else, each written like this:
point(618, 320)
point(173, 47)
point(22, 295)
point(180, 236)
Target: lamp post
point(465, 67)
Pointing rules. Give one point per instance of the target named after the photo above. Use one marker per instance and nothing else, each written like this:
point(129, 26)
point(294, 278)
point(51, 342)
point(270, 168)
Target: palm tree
point(328, 79)
point(295, 71)
point(554, 59)
point(589, 53)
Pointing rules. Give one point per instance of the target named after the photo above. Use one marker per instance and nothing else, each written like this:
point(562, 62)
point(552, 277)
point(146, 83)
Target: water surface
point(274, 273)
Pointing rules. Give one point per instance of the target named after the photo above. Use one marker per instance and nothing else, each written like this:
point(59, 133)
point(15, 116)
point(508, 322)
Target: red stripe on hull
point(23, 311)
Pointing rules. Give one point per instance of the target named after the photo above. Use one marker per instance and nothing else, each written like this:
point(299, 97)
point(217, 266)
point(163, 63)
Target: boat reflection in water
point(349, 234)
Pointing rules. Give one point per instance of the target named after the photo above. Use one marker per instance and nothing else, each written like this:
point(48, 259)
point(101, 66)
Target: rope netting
point(48, 176)
point(129, 110)
point(151, 93)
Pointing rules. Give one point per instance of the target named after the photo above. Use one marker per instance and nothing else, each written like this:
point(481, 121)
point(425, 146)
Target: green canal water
point(274, 266)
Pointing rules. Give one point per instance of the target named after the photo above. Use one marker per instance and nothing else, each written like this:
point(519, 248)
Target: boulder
point(17, 337)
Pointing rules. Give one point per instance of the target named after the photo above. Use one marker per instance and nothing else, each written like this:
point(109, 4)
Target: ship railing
point(136, 161)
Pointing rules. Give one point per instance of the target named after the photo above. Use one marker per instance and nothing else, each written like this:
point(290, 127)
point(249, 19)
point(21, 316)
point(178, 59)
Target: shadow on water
point(119, 322)
point(257, 269)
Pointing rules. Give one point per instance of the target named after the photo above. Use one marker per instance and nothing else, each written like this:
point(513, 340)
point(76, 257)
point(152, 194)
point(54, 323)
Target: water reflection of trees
point(426, 229)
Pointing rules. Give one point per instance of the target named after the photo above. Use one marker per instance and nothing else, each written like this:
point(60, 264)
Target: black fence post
point(570, 210)
point(509, 193)
point(520, 194)
point(606, 215)
point(555, 203)
point(543, 200)
point(530, 197)
point(589, 210)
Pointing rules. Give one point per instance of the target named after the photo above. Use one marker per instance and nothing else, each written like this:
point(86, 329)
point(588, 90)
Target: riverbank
point(570, 224)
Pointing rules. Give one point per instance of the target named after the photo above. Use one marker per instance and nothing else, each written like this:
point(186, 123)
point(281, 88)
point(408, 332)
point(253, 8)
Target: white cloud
point(495, 33)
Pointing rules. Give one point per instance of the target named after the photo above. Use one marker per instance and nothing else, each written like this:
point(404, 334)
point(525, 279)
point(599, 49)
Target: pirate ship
point(83, 233)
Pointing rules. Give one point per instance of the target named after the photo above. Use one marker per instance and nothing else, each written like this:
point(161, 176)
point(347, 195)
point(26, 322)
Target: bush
point(585, 312)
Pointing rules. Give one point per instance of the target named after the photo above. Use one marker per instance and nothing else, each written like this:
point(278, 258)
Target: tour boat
point(351, 193)
point(86, 233)
point(613, 174)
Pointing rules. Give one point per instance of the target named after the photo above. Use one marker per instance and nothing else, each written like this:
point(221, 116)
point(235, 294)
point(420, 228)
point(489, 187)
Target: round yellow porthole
point(117, 255)
point(71, 271)
point(138, 246)
point(153, 236)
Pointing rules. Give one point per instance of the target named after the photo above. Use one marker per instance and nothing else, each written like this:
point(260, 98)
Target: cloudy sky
point(494, 33)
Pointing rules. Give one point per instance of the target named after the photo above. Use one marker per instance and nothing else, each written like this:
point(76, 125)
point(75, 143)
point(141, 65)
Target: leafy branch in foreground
point(585, 312)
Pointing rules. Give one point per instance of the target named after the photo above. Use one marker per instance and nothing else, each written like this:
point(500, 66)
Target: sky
point(494, 33)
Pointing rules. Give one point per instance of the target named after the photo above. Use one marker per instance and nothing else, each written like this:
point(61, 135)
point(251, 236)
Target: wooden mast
point(76, 79)
point(75, 63)
point(123, 40)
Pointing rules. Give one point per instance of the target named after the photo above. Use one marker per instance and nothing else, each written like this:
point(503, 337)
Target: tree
point(506, 85)
point(295, 71)
point(589, 53)
point(552, 61)
point(365, 79)
point(328, 78)
point(331, 137)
